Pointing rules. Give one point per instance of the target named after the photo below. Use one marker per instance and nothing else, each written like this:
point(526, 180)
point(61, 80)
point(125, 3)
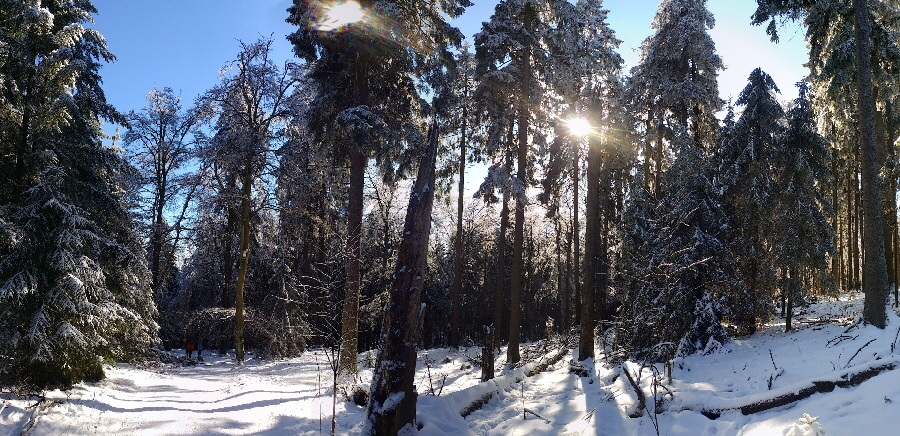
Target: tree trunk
point(576, 230)
point(789, 295)
point(487, 354)
point(591, 250)
point(350, 315)
point(515, 286)
point(457, 259)
point(158, 238)
point(499, 299)
point(227, 273)
point(392, 406)
point(244, 256)
point(875, 274)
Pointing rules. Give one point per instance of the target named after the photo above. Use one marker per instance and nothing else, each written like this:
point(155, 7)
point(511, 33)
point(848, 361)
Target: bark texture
point(392, 405)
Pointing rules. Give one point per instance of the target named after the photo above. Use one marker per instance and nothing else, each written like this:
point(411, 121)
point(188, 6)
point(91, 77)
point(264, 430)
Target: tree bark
point(393, 401)
point(591, 249)
point(227, 272)
point(457, 259)
point(499, 295)
point(350, 314)
point(875, 273)
point(576, 229)
point(244, 256)
point(515, 286)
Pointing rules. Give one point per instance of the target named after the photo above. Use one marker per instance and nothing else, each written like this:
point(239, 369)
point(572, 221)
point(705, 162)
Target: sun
point(341, 14)
point(579, 126)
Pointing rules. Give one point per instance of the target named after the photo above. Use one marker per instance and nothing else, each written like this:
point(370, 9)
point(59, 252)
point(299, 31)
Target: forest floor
point(294, 397)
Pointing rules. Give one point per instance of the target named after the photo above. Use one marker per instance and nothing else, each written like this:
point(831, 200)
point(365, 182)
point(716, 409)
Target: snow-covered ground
point(293, 397)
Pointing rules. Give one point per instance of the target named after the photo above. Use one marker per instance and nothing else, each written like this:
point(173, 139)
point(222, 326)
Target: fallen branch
point(539, 416)
point(796, 393)
point(40, 408)
point(642, 399)
point(475, 397)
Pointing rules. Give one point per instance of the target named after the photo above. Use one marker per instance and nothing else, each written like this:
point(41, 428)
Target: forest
point(319, 203)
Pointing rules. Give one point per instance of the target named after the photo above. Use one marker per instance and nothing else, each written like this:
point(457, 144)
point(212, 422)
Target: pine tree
point(686, 280)
point(745, 174)
point(515, 65)
point(73, 278)
point(819, 17)
point(365, 103)
point(675, 83)
point(801, 235)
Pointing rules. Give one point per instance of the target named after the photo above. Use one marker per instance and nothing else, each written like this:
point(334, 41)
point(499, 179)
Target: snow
point(294, 397)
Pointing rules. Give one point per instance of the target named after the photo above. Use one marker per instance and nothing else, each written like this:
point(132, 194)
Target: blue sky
point(183, 44)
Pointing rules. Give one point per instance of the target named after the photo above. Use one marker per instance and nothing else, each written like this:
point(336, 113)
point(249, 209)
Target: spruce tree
point(745, 174)
point(366, 102)
point(73, 278)
point(801, 235)
point(675, 83)
point(685, 280)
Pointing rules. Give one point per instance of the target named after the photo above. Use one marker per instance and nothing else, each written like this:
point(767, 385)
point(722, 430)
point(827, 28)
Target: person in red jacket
point(189, 348)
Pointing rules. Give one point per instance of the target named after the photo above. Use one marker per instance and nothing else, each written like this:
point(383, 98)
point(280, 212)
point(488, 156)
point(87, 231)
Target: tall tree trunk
point(853, 213)
point(227, 273)
point(576, 228)
point(457, 259)
point(158, 238)
point(875, 274)
point(515, 286)
point(560, 276)
point(499, 297)
point(591, 249)
point(789, 294)
point(392, 406)
point(244, 256)
point(350, 314)
point(836, 260)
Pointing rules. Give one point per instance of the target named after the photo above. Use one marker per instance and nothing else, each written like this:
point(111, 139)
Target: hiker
point(189, 348)
point(200, 350)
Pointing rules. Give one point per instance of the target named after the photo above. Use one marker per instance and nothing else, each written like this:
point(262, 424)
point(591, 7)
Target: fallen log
point(785, 396)
point(473, 398)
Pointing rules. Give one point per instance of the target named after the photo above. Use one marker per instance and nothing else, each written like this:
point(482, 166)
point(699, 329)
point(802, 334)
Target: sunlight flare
point(579, 126)
point(341, 14)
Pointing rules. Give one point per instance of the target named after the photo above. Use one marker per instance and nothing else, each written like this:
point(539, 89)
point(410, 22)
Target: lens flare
point(579, 127)
point(341, 14)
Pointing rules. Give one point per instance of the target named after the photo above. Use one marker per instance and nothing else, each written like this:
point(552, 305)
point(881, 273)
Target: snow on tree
point(746, 178)
point(73, 278)
point(684, 277)
point(675, 83)
point(801, 235)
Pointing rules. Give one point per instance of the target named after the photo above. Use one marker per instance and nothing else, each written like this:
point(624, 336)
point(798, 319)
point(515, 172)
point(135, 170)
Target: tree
point(513, 51)
point(161, 138)
point(72, 272)
point(392, 407)
point(675, 82)
point(801, 233)
point(875, 278)
point(745, 174)
point(365, 103)
point(686, 277)
point(253, 105)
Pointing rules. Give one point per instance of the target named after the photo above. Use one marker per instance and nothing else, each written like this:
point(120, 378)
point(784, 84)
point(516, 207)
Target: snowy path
point(280, 398)
point(215, 398)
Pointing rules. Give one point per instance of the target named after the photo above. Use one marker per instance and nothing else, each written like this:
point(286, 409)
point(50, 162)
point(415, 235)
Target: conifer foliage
point(74, 284)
